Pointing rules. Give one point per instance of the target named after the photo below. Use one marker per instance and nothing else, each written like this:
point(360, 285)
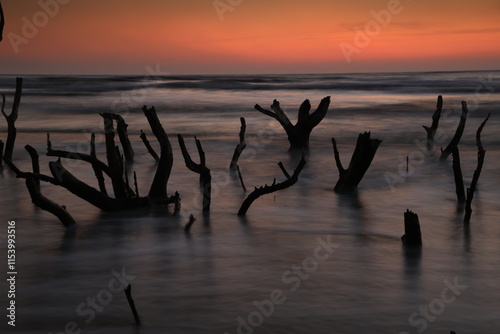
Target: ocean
point(304, 259)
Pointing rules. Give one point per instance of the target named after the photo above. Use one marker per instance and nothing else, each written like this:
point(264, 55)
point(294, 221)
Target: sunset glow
point(257, 36)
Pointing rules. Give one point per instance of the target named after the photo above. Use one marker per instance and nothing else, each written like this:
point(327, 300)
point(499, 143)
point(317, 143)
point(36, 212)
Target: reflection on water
point(203, 282)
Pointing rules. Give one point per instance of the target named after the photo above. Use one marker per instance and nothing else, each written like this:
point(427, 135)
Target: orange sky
point(255, 36)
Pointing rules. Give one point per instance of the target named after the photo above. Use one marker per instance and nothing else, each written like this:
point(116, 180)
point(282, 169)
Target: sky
point(248, 36)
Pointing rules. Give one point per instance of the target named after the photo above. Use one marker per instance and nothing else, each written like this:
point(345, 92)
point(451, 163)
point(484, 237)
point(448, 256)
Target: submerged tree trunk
point(459, 180)
point(201, 168)
point(431, 131)
point(121, 130)
point(240, 147)
point(480, 161)
point(114, 161)
point(458, 134)
point(298, 134)
point(360, 162)
point(412, 236)
point(290, 181)
point(11, 119)
point(158, 187)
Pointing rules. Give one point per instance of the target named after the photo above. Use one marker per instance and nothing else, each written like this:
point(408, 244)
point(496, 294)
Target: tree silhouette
point(298, 134)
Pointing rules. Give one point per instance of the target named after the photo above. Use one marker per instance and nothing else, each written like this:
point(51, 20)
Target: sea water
point(303, 260)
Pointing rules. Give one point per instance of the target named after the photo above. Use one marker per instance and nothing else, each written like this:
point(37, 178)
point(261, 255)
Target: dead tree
point(360, 161)
point(458, 134)
point(240, 147)
point(121, 130)
point(149, 147)
point(480, 161)
point(114, 160)
point(125, 198)
point(290, 181)
point(11, 119)
point(431, 131)
point(98, 166)
point(158, 187)
point(412, 236)
point(459, 180)
point(2, 22)
point(97, 171)
point(128, 293)
point(298, 134)
point(33, 185)
point(201, 168)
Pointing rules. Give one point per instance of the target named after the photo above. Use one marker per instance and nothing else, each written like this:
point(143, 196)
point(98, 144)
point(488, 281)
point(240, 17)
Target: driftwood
point(241, 178)
point(412, 236)
point(128, 293)
point(98, 171)
point(431, 131)
point(360, 161)
point(125, 197)
point(2, 22)
point(149, 147)
point(458, 134)
point(67, 180)
point(187, 228)
point(201, 168)
point(298, 134)
point(33, 185)
point(158, 187)
point(475, 178)
point(11, 119)
point(459, 180)
point(233, 166)
point(121, 130)
point(114, 161)
point(290, 181)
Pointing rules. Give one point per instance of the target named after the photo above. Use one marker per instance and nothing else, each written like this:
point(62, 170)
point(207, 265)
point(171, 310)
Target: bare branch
point(240, 147)
point(458, 134)
point(272, 188)
point(475, 178)
point(149, 147)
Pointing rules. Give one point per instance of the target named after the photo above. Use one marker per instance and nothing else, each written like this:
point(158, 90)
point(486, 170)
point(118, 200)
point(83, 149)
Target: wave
point(395, 83)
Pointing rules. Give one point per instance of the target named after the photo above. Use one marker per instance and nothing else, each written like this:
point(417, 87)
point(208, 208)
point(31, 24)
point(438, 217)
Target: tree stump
point(412, 236)
point(360, 162)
